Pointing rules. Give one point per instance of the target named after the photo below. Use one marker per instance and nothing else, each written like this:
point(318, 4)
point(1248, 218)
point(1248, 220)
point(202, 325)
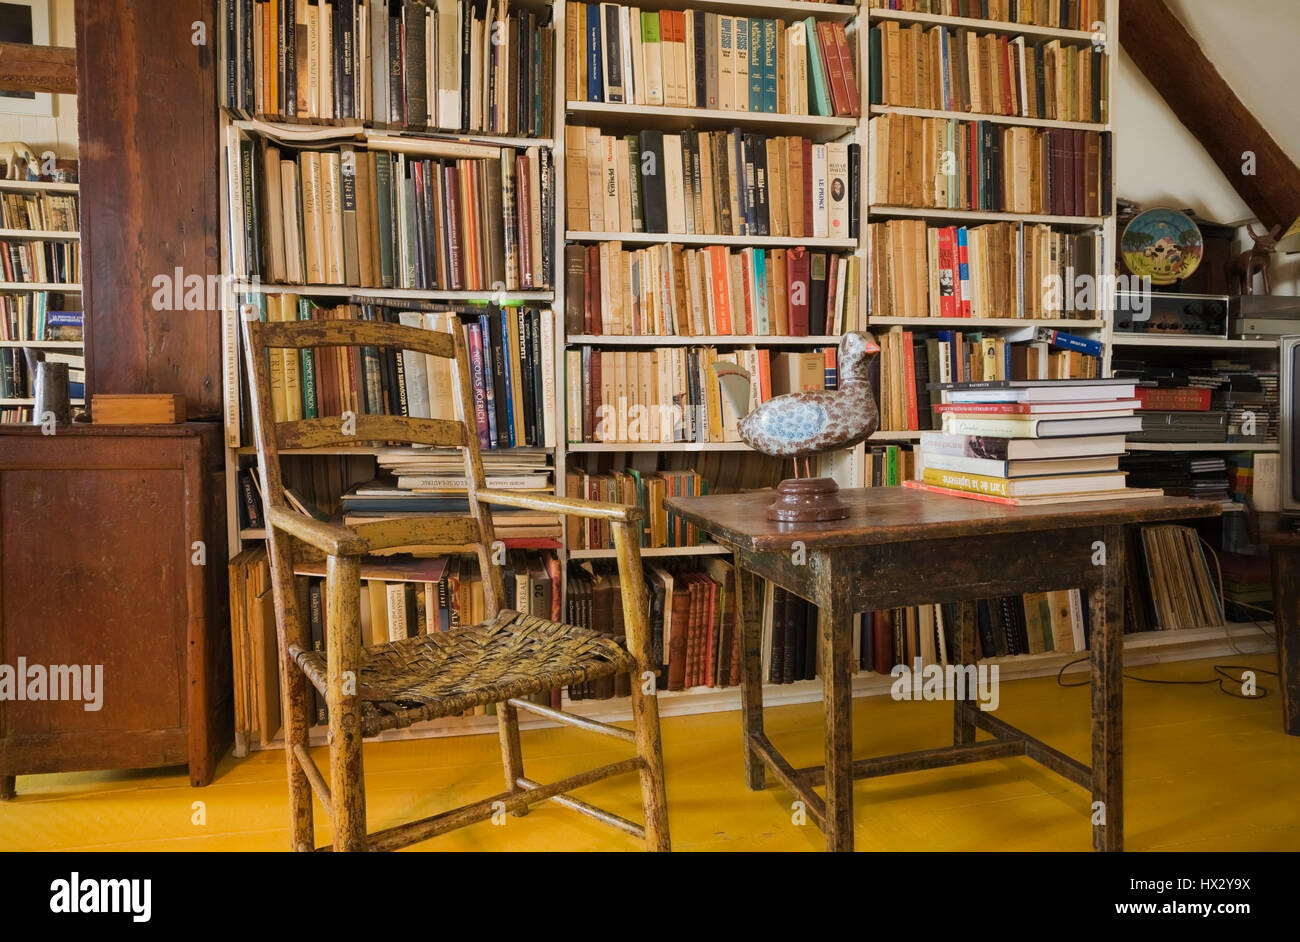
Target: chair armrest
point(570, 506)
point(333, 539)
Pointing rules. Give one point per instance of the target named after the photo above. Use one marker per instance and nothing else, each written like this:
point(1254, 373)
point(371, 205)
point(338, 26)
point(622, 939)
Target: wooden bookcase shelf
point(1000, 27)
point(815, 127)
point(43, 235)
point(848, 468)
point(992, 118)
point(37, 186)
point(39, 286)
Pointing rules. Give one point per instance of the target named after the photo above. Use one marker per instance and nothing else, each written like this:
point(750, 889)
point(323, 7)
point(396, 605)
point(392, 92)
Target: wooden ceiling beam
point(25, 68)
point(1175, 65)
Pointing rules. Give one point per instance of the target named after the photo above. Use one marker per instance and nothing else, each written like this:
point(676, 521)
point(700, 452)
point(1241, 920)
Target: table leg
point(963, 727)
point(1106, 607)
point(1286, 609)
point(836, 624)
point(751, 686)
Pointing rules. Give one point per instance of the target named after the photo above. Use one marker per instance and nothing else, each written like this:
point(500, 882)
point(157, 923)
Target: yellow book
point(287, 305)
point(332, 217)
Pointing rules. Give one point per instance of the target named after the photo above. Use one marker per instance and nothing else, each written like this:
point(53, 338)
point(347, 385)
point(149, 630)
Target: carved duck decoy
point(801, 424)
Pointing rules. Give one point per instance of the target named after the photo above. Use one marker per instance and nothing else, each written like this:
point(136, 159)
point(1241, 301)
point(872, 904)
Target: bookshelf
point(29, 297)
point(849, 468)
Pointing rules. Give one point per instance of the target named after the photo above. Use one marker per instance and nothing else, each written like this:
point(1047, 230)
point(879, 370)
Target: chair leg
point(8, 788)
point(297, 732)
point(343, 640)
point(512, 756)
point(645, 720)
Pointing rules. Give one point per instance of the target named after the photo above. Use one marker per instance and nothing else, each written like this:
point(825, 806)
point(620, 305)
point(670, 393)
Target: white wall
point(59, 132)
point(1160, 163)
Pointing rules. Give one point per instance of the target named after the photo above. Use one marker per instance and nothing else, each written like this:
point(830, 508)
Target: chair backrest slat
point(321, 433)
point(299, 334)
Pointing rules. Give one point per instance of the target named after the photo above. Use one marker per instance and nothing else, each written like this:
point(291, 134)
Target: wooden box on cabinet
point(113, 553)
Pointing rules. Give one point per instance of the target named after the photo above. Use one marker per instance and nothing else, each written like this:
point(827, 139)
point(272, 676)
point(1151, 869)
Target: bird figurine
point(799, 425)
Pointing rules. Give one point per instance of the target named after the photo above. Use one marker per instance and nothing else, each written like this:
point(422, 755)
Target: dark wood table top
point(900, 514)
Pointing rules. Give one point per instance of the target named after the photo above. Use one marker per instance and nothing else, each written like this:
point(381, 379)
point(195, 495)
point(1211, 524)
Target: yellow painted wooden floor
point(1203, 772)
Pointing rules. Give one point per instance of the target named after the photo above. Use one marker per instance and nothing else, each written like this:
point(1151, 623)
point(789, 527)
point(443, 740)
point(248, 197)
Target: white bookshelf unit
point(849, 467)
point(15, 404)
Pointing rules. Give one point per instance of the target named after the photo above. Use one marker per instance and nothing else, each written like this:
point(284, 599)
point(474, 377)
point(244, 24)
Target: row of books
point(35, 261)
point(1000, 269)
point(710, 183)
point(39, 315)
point(381, 500)
point(1205, 399)
point(694, 59)
point(958, 70)
point(910, 368)
point(647, 491)
point(40, 211)
point(1181, 474)
point(450, 65)
point(950, 164)
point(671, 394)
point(990, 443)
point(400, 597)
point(474, 218)
point(1064, 14)
point(511, 353)
point(665, 290)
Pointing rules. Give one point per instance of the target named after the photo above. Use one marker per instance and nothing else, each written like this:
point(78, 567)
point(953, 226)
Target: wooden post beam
point(25, 68)
point(1173, 62)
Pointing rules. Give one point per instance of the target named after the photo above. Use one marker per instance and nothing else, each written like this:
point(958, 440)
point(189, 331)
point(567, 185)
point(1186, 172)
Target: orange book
point(721, 296)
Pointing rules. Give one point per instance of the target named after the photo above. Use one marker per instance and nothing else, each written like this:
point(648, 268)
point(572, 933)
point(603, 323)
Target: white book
point(448, 108)
point(740, 63)
point(837, 189)
point(325, 54)
point(430, 67)
point(674, 183)
point(293, 260)
point(548, 378)
point(609, 182)
point(689, 51)
point(440, 400)
point(625, 51)
point(361, 65)
point(378, 31)
point(417, 372)
point(640, 89)
point(820, 186)
point(573, 394)
point(726, 66)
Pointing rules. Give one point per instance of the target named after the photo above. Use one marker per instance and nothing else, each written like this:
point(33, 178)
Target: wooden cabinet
point(113, 554)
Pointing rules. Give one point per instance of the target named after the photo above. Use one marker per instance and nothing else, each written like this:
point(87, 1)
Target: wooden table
point(903, 547)
point(1275, 531)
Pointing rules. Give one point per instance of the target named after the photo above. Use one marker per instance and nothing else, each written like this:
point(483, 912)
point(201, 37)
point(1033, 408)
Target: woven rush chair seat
point(430, 676)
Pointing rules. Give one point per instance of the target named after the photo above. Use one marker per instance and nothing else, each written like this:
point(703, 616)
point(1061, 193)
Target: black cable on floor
point(1220, 669)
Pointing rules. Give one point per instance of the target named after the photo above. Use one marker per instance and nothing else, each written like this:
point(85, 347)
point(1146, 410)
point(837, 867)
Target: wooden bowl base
point(807, 500)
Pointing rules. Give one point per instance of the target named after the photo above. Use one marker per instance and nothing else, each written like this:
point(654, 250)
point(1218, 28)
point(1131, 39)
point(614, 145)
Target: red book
point(963, 263)
point(524, 215)
point(948, 274)
point(594, 396)
point(591, 304)
point(1174, 399)
point(834, 68)
point(710, 659)
point(1036, 408)
point(850, 76)
point(677, 654)
point(909, 381)
point(797, 268)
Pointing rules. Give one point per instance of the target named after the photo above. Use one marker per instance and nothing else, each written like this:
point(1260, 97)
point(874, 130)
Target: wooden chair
point(369, 688)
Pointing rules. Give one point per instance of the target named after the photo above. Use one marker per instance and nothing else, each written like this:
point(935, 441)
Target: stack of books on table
point(1030, 441)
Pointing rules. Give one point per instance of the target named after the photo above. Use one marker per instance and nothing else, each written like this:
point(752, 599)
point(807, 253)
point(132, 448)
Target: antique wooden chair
point(370, 688)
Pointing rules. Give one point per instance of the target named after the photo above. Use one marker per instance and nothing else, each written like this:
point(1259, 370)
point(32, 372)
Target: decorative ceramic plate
point(1162, 244)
